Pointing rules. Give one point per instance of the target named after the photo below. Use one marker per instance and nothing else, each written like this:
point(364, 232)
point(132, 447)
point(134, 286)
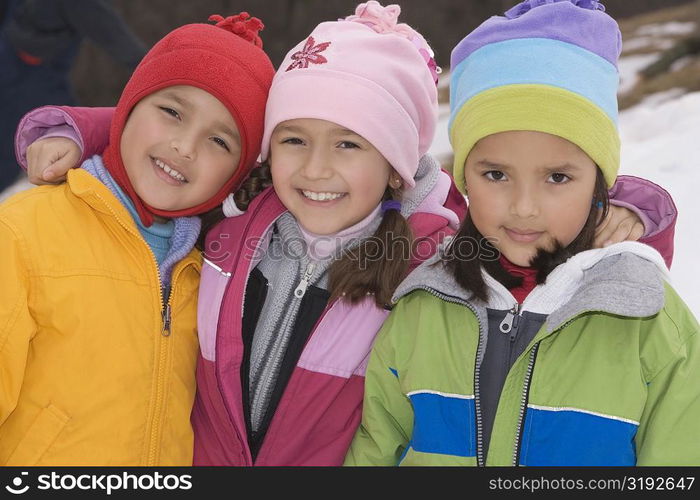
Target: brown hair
point(258, 180)
point(375, 267)
point(466, 269)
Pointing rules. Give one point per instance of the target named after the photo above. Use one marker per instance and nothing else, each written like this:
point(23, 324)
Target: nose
point(185, 144)
point(524, 203)
point(317, 165)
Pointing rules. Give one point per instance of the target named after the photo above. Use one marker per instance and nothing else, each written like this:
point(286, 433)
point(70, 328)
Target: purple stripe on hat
point(562, 20)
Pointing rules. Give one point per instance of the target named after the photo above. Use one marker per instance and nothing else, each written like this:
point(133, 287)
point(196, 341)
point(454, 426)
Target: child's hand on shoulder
point(621, 224)
point(48, 160)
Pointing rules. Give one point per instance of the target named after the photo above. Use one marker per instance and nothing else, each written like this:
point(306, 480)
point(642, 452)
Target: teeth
point(322, 196)
point(170, 171)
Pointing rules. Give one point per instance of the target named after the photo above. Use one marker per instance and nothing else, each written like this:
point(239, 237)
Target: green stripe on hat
point(539, 108)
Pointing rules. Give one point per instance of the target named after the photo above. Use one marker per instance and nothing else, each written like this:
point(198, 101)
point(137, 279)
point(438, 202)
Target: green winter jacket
point(611, 378)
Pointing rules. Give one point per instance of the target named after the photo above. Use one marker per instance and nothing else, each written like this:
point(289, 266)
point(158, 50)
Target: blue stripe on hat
point(536, 61)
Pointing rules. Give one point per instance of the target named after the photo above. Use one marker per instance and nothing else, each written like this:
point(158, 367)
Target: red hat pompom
point(242, 25)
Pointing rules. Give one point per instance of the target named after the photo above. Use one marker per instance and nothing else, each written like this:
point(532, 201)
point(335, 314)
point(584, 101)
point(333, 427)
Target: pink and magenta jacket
point(321, 406)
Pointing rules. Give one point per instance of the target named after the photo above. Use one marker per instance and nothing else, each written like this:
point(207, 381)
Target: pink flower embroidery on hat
point(310, 54)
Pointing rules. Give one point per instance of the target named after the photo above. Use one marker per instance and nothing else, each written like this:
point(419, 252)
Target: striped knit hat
point(546, 66)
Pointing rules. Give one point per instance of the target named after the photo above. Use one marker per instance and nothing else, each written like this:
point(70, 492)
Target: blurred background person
point(39, 42)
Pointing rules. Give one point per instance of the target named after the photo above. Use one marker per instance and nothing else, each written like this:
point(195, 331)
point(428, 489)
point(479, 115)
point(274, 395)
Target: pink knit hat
point(366, 73)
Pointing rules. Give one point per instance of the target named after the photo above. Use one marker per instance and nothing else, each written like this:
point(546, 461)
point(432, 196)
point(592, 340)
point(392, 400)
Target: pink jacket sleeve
point(654, 206)
point(89, 127)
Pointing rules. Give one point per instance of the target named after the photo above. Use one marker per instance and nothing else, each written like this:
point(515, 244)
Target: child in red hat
point(107, 377)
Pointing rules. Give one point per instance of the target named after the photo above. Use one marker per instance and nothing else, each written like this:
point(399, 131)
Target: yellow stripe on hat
point(540, 108)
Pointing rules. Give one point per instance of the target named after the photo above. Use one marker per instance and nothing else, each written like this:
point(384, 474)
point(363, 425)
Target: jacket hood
point(625, 279)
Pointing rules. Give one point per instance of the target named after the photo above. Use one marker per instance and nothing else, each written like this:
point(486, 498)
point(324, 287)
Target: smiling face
point(179, 147)
point(328, 177)
point(527, 189)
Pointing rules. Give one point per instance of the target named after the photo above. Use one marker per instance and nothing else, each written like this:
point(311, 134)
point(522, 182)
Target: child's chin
point(166, 206)
point(520, 258)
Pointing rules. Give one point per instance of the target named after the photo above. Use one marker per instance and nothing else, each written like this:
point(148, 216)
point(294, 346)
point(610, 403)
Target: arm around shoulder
point(88, 127)
point(654, 206)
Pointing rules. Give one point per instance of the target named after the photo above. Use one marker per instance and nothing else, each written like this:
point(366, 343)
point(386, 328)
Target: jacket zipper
point(477, 406)
point(299, 293)
point(509, 325)
point(526, 388)
point(166, 317)
point(300, 290)
point(313, 330)
point(510, 322)
point(162, 347)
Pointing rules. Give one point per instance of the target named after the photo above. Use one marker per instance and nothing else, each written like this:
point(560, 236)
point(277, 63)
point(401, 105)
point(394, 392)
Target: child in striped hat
point(521, 344)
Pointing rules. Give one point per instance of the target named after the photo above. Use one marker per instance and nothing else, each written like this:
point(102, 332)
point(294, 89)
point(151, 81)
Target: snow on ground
point(655, 38)
point(660, 143)
point(647, 42)
point(629, 66)
point(660, 30)
point(18, 186)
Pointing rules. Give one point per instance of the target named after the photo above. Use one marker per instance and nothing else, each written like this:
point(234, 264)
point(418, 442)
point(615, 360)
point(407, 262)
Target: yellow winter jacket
point(88, 374)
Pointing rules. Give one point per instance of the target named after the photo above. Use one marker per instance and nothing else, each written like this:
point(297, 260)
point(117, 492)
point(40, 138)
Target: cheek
point(223, 170)
point(568, 217)
point(371, 187)
point(280, 171)
point(485, 210)
point(368, 177)
point(130, 146)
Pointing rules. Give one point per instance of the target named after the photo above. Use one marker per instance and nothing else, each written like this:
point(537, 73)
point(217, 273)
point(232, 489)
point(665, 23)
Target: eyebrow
point(299, 130)
point(222, 127)
point(288, 128)
point(177, 98)
point(563, 168)
point(492, 164)
point(345, 131)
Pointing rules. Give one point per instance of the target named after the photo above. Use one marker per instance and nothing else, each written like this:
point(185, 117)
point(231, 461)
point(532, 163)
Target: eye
point(170, 111)
point(495, 175)
point(221, 142)
point(558, 178)
point(295, 141)
point(348, 145)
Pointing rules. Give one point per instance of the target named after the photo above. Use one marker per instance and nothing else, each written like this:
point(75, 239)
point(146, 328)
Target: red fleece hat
point(225, 60)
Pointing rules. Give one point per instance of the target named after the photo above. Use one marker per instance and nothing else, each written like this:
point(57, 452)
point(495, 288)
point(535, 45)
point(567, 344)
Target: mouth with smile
point(523, 235)
point(320, 198)
point(168, 173)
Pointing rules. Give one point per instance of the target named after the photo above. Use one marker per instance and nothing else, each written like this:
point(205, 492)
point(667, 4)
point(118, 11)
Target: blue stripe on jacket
point(443, 424)
point(565, 437)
